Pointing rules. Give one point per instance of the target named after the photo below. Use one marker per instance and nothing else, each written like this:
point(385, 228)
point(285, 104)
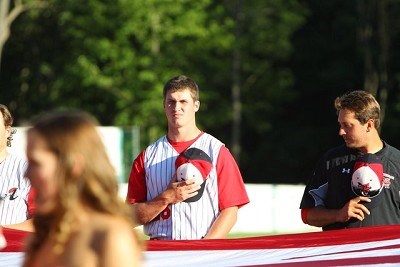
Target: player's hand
point(183, 190)
point(354, 209)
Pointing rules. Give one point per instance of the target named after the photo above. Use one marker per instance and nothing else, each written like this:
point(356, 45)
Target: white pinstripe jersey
point(182, 220)
point(14, 190)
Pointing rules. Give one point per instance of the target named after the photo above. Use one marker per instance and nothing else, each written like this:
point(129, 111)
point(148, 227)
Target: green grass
point(240, 235)
point(233, 235)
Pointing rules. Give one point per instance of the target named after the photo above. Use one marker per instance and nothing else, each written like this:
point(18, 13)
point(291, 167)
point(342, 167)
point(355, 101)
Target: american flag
point(368, 246)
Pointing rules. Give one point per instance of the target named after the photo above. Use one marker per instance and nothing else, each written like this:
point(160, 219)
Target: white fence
point(272, 209)
point(112, 139)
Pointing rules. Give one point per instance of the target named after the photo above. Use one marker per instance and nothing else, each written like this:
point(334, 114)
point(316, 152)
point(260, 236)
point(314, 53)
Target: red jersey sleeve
point(31, 203)
point(231, 188)
point(137, 182)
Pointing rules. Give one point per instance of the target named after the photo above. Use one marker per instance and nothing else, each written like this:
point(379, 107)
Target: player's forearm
point(320, 216)
point(223, 224)
point(24, 226)
point(147, 211)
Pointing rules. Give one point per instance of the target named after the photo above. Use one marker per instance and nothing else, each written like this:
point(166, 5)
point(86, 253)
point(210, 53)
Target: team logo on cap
point(367, 178)
point(193, 163)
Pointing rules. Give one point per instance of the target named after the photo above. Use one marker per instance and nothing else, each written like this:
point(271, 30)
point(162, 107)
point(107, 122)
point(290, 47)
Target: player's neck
point(183, 134)
point(3, 154)
point(375, 145)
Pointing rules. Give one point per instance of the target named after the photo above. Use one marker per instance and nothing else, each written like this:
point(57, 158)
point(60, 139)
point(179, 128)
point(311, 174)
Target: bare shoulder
point(108, 239)
point(105, 220)
point(117, 238)
point(109, 226)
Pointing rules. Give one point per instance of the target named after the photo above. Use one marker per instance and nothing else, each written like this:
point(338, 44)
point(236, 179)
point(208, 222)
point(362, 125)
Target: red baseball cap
point(193, 163)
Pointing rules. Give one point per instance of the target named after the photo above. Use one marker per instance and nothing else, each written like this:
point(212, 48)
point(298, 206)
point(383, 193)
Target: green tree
point(9, 12)
point(343, 46)
point(112, 58)
point(266, 83)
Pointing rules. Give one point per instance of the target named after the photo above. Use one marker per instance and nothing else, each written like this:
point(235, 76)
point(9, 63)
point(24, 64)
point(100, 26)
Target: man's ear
point(196, 105)
point(370, 125)
point(8, 131)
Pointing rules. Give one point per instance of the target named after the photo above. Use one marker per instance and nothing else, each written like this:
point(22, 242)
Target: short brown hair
point(362, 103)
point(179, 83)
point(8, 122)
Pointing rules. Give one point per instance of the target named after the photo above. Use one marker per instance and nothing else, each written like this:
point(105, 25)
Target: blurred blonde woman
point(79, 219)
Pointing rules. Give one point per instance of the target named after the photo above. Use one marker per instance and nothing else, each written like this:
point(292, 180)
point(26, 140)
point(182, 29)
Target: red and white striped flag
point(368, 246)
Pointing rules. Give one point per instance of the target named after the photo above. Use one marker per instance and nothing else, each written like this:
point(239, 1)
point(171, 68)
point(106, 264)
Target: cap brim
point(199, 194)
point(375, 201)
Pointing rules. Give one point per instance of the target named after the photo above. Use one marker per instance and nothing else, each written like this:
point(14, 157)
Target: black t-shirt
point(330, 186)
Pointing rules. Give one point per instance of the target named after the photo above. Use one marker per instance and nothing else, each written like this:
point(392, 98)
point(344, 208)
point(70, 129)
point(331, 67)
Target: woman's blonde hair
point(68, 134)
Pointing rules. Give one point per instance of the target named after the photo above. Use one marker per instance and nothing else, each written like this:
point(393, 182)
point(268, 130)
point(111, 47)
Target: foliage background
point(268, 71)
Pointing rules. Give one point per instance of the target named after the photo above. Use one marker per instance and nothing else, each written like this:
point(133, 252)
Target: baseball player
point(328, 200)
point(16, 203)
point(158, 198)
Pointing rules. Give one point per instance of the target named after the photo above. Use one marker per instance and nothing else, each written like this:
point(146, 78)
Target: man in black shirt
point(329, 201)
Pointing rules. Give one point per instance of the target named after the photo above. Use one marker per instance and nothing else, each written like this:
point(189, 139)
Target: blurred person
point(181, 208)
point(16, 204)
point(336, 197)
point(79, 219)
